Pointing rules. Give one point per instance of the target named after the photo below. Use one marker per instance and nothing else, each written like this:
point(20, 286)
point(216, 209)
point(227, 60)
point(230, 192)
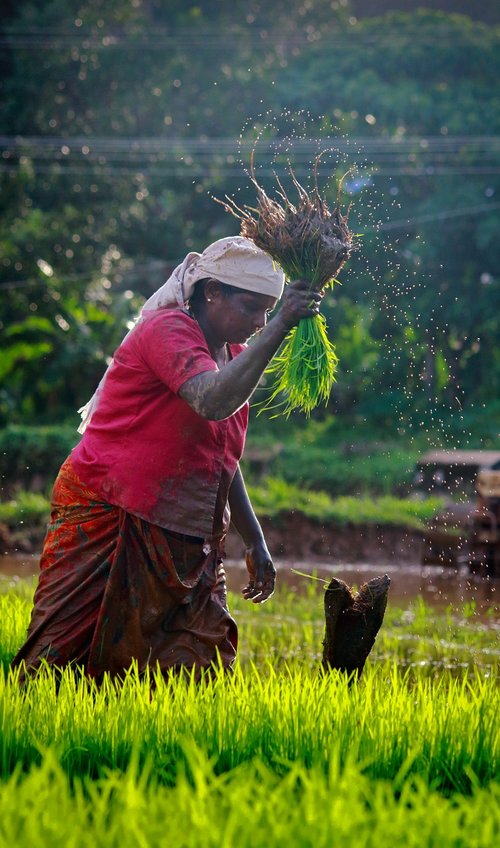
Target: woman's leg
point(114, 588)
point(164, 605)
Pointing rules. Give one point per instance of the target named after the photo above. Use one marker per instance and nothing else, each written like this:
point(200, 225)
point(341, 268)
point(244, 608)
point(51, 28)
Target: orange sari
point(114, 588)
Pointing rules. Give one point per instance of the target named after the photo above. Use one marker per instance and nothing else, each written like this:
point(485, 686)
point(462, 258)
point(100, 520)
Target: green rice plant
point(288, 630)
point(14, 617)
point(250, 806)
point(310, 242)
point(447, 725)
point(275, 753)
point(419, 639)
point(304, 368)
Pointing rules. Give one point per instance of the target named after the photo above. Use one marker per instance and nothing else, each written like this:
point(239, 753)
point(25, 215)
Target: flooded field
point(438, 586)
point(415, 744)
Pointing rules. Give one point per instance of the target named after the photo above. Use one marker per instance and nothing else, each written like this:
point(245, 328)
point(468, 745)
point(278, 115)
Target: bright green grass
point(276, 496)
point(443, 730)
point(275, 754)
point(289, 629)
point(248, 807)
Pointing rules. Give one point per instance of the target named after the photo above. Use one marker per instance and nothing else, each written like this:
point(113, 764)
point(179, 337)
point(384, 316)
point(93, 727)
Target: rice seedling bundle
point(311, 242)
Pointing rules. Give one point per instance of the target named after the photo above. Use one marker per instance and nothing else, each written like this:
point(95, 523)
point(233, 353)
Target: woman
point(131, 567)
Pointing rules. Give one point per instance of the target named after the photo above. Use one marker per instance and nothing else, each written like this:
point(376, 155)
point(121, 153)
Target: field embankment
point(318, 494)
point(297, 523)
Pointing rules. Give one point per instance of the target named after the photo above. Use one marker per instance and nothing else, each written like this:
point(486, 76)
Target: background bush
point(30, 456)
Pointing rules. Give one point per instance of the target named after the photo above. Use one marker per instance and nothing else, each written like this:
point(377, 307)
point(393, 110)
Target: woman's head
point(234, 261)
point(232, 313)
point(243, 285)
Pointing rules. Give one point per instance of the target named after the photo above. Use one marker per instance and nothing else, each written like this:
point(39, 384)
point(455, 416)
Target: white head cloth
point(235, 260)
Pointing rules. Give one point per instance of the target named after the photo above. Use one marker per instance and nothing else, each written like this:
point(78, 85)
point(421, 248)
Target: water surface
point(439, 587)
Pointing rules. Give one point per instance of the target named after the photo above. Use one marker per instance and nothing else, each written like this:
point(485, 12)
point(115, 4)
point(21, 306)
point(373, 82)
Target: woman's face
point(238, 315)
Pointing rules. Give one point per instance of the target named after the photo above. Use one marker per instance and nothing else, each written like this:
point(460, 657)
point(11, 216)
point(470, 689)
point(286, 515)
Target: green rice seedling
point(449, 725)
point(288, 630)
point(251, 807)
point(310, 242)
point(426, 641)
point(15, 606)
point(275, 753)
point(304, 369)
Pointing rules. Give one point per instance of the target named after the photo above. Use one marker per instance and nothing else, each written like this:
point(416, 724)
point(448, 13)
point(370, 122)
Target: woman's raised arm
point(218, 394)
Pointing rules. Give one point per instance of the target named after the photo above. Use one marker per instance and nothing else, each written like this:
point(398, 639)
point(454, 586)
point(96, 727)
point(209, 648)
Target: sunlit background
point(122, 120)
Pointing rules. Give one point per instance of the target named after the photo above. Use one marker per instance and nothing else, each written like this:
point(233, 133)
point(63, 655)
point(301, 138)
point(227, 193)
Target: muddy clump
point(352, 623)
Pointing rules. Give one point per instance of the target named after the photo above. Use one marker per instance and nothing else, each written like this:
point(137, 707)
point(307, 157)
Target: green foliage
point(325, 456)
point(85, 197)
point(424, 274)
point(27, 508)
point(55, 344)
point(28, 512)
point(27, 452)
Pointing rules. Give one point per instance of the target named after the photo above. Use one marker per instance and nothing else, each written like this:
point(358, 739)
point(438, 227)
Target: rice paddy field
point(276, 753)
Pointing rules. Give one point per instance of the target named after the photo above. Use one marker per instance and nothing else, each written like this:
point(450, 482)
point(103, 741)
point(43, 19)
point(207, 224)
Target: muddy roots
point(352, 623)
point(306, 238)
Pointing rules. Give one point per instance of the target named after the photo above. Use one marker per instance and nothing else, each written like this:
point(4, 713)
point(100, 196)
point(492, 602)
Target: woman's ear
point(212, 290)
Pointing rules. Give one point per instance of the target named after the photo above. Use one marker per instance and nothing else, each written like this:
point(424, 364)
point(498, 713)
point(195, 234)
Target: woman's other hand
point(261, 574)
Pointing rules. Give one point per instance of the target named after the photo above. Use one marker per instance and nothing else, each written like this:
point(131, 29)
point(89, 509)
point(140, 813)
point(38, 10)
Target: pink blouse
point(145, 449)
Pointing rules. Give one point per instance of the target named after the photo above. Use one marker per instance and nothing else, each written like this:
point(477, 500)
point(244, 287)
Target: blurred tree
point(423, 77)
point(120, 122)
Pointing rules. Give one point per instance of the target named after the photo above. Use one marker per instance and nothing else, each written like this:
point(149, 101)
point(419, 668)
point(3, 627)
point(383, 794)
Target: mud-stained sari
point(114, 588)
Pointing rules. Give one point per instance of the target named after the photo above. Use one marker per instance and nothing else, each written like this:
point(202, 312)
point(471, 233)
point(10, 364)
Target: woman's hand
point(261, 574)
point(298, 302)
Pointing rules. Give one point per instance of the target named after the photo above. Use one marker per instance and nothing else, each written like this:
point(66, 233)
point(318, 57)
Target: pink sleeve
point(174, 348)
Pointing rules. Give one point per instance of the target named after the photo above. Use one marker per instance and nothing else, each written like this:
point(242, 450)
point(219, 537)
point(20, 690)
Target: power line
point(40, 38)
point(444, 215)
point(279, 145)
point(93, 173)
point(86, 275)
point(35, 281)
point(420, 156)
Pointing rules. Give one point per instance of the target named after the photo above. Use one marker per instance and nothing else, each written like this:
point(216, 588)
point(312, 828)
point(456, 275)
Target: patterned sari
point(114, 588)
